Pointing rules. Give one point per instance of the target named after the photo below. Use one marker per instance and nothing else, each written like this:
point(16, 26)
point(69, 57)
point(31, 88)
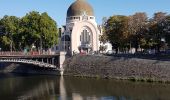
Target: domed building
point(81, 32)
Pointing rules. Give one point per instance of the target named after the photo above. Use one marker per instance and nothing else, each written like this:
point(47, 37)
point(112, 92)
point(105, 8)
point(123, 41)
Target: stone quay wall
point(135, 69)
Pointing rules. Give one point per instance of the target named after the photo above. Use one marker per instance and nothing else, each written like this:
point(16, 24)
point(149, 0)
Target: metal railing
point(20, 53)
point(40, 64)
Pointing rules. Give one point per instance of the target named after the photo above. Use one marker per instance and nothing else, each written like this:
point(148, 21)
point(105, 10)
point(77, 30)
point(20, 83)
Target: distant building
point(81, 32)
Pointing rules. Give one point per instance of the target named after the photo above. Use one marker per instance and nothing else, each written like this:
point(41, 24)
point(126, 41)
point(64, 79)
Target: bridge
point(37, 63)
point(50, 61)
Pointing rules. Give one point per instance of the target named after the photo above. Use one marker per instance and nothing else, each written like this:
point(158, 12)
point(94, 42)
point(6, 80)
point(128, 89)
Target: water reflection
point(63, 94)
point(14, 87)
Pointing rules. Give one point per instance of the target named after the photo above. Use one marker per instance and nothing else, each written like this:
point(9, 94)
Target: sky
point(57, 9)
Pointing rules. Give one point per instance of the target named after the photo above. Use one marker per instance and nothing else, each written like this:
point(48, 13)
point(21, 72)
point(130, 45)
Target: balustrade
point(18, 53)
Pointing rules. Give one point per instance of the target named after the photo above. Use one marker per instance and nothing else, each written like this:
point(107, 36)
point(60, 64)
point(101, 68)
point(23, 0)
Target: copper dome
point(80, 7)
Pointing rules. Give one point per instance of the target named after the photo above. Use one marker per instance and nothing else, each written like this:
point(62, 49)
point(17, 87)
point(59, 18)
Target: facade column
point(47, 60)
point(52, 61)
point(61, 62)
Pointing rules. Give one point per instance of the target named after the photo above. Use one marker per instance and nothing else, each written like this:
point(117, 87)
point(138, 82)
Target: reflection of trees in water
point(41, 92)
point(117, 89)
point(52, 88)
point(46, 89)
point(28, 87)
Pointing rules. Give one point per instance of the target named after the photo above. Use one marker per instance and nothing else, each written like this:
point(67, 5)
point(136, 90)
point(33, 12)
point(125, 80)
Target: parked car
point(110, 52)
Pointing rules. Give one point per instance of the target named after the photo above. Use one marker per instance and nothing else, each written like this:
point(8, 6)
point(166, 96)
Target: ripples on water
point(24, 87)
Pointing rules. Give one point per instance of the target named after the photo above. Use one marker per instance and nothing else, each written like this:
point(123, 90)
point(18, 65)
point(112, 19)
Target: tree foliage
point(157, 26)
point(138, 31)
point(117, 31)
point(11, 26)
point(34, 28)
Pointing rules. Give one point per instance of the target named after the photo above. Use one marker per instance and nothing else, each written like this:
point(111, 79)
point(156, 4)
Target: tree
point(38, 29)
point(29, 31)
point(167, 29)
point(11, 26)
point(138, 28)
point(48, 29)
point(117, 31)
point(157, 29)
point(103, 37)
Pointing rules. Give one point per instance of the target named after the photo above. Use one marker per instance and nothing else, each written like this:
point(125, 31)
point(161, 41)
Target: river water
point(40, 87)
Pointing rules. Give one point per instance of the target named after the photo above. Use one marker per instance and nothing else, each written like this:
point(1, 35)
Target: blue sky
point(103, 8)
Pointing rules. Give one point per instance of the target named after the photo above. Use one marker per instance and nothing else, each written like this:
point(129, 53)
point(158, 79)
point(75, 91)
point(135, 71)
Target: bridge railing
point(40, 64)
point(18, 53)
point(8, 53)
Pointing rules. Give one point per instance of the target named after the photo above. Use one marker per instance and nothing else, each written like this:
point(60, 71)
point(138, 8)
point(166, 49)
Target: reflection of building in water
point(76, 96)
point(41, 92)
point(63, 95)
point(56, 88)
point(81, 32)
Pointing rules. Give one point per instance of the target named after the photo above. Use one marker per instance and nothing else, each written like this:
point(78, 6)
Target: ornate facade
point(81, 32)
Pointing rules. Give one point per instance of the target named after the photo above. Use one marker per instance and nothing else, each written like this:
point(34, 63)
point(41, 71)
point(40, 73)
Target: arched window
point(85, 37)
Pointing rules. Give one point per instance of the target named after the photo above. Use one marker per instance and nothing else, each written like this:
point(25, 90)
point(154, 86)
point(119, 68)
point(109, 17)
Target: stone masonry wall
point(117, 67)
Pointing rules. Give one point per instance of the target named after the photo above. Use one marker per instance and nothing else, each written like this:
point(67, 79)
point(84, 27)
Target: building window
point(85, 37)
point(80, 37)
point(85, 18)
point(91, 17)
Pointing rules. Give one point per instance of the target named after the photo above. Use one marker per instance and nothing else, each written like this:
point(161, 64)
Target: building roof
point(80, 7)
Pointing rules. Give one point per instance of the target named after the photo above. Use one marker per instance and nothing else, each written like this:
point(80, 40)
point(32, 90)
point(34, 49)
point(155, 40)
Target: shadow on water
point(17, 87)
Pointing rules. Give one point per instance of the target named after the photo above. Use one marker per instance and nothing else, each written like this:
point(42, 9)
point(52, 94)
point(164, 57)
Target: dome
point(80, 7)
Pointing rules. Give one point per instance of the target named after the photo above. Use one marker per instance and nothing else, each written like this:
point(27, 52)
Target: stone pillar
point(61, 61)
point(53, 61)
point(47, 61)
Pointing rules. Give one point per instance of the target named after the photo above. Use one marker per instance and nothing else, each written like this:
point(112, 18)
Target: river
point(41, 87)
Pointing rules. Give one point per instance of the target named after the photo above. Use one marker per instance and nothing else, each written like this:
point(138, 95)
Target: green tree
point(157, 29)
point(11, 26)
point(138, 28)
point(48, 29)
point(38, 29)
point(117, 31)
point(167, 29)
